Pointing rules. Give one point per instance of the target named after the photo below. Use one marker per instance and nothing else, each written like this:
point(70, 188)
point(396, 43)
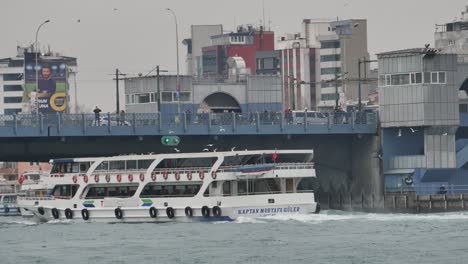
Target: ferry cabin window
point(166, 190)
point(71, 167)
point(9, 199)
point(117, 165)
point(144, 164)
point(84, 166)
point(131, 164)
point(103, 166)
point(258, 186)
point(101, 192)
point(65, 191)
point(187, 163)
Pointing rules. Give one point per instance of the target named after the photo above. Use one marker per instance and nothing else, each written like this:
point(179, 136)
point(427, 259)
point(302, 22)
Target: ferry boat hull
point(229, 211)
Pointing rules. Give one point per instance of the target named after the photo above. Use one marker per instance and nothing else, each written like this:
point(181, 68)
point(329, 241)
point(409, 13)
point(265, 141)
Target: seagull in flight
point(177, 150)
point(215, 150)
point(221, 129)
point(205, 150)
point(171, 132)
point(413, 130)
point(209, 145)
point(233, 148)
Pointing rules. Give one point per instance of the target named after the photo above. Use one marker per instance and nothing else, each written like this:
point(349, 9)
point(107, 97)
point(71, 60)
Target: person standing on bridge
point(97, 113)
point(122, 118)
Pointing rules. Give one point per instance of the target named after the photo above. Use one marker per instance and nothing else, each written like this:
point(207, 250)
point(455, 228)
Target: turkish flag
point(275, 155)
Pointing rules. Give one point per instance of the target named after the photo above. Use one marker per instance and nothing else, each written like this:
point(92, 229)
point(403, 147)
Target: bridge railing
point(187, 121)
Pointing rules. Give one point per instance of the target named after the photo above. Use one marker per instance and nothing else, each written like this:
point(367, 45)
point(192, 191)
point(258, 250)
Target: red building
point(245, 44)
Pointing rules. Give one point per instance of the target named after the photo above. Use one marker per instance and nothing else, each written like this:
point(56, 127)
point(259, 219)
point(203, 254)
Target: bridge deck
point(136, 124)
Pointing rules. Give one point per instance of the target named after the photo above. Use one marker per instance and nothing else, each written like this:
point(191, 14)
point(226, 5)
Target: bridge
point(345, 144)
point(156, 124)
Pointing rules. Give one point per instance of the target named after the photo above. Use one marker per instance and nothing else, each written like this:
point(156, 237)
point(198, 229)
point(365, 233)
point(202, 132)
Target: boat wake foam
point(331, 215)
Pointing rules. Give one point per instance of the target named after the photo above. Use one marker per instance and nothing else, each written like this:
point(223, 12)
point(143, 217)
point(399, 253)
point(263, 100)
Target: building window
point(12, 88)
point(412, 78)
point(166, 96)
point(435, 77)
point(333, 70)
point(442, 77)
point(13, 77)
point(328, 97)
point(334, 57)
point(142, 98)
point(13, 111)
point(12, 100)
point(416, 77)
point(334, 44)
point(330, 83)
point(400, 79)
point(16, 63)
point(183, 96)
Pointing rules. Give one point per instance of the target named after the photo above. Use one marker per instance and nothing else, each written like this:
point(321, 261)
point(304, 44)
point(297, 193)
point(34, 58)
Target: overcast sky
point(134, 36)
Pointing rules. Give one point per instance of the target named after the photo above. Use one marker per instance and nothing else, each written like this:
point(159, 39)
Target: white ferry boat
point(203, 186)
point(30, 183)
point(35, 185)
point(8, 204)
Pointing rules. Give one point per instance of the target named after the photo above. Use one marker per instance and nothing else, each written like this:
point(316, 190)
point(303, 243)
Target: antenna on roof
point(263, 13)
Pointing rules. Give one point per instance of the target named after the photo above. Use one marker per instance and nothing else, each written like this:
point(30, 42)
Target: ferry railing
point(277, 166)
point(428, 189)
point(261, 193)
point(36, 198)
point(176, 123)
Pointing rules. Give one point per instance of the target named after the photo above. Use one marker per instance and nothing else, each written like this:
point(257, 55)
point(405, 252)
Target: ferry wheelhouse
point(179, 187)
point(11, 190)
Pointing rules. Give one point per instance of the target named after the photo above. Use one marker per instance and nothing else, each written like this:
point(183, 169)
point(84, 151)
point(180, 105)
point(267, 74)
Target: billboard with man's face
point(47, 91)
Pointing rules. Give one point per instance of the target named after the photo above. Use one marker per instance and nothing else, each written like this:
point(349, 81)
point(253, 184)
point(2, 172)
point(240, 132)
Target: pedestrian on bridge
point(122, 118)
point(97, 119)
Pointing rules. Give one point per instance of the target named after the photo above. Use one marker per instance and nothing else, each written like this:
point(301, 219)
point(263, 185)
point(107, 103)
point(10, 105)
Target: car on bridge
point(313, 117)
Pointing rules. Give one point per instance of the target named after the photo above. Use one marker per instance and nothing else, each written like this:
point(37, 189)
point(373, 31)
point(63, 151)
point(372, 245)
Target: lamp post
point(36, 67)
point(177, 54)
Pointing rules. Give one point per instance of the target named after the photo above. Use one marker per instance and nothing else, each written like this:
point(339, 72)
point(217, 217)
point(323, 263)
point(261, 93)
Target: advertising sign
point(45, 92)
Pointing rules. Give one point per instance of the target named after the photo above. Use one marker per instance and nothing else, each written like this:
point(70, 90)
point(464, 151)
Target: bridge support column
point(366, 170)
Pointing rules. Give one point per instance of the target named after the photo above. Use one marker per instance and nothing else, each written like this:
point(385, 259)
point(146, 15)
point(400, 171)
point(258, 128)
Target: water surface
point(330, 237)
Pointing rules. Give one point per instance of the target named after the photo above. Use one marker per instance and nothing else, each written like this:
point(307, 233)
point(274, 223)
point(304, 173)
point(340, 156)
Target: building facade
point(244, 43)
point(321, 63)
point(250, 93)
point(200, 36)
point(419, 117)
point(13, 96)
